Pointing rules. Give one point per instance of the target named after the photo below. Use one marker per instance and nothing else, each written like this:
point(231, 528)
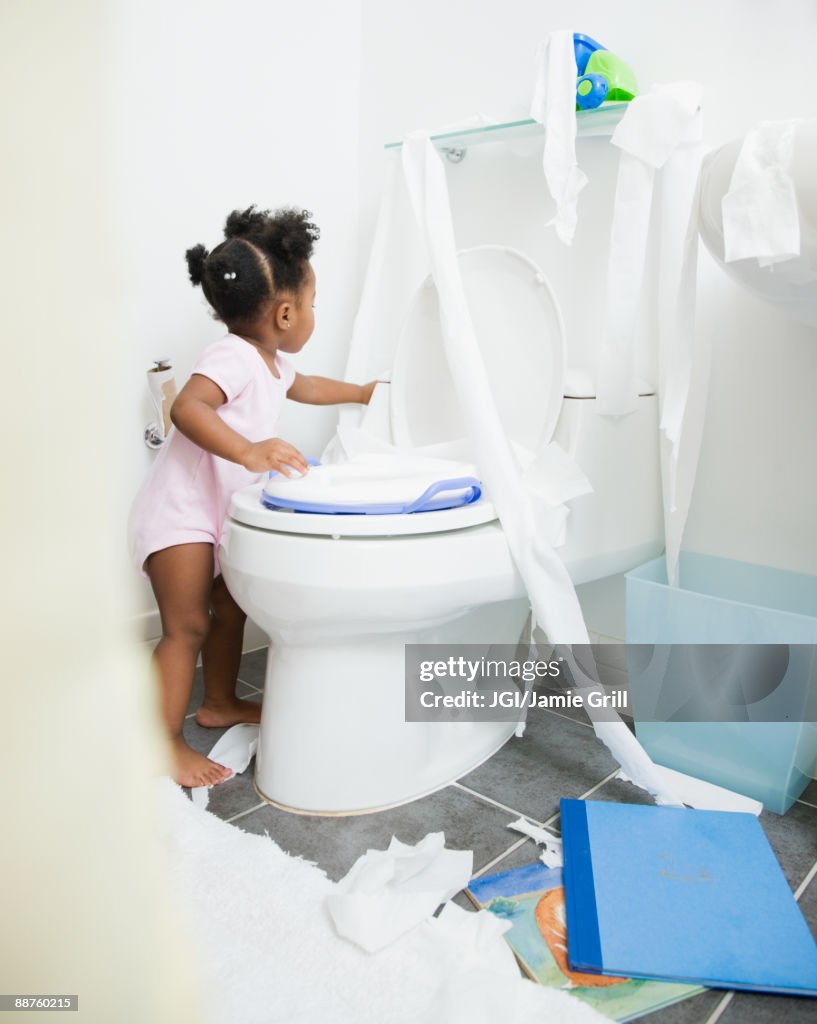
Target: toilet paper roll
point(162, 387)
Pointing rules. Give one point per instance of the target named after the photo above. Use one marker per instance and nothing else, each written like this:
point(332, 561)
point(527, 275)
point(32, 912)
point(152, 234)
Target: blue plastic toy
point(602, 75)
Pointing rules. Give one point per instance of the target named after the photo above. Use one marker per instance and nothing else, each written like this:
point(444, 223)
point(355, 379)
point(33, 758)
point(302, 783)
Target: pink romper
point(186, 495)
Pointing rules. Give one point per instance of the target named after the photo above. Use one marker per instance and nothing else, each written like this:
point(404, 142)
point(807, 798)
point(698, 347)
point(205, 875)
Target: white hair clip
point(230, 277)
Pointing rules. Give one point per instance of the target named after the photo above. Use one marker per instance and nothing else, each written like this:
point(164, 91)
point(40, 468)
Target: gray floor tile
point(253, 668)
point(234, 796)
point(619, 792)
point(576, 715)
point(242, 690)
point(809, 794)
point(556, 758)
point(695, 1010)
point(197, 693)
point(336, 843)
point(527, 853)
point(793, 836)
point(751, 1008)
point(808, 906)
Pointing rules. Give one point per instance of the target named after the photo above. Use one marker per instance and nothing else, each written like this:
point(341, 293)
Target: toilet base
point(334, 739)
point(381, 807)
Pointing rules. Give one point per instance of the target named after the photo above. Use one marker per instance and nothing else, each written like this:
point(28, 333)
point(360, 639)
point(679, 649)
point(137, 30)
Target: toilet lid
point(518, 327)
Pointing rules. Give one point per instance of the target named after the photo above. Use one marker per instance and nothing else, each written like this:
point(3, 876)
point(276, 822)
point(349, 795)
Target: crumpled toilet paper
point(235, 749)
point(388, 892)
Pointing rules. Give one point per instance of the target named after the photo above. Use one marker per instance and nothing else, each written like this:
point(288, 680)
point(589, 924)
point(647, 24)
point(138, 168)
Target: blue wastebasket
point(771, 755)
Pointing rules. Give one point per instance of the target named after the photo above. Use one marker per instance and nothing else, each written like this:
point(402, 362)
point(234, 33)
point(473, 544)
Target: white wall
point(426, 64)
point(276, 103)
point(220, 105)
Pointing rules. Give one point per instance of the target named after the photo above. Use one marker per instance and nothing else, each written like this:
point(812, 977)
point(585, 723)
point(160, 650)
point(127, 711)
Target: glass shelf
point(601, 121)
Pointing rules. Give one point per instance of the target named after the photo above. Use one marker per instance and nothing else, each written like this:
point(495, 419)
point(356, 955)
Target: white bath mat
point(269, 953)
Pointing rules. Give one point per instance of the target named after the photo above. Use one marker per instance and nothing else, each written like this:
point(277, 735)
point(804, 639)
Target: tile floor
point(559, 757)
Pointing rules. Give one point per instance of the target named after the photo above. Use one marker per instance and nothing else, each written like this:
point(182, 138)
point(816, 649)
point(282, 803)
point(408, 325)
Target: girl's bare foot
point(194, 769)
point(217, 715)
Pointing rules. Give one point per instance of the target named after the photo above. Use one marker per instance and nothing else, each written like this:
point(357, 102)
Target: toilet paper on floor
point(235, 749)
point(705, 796)
point(388, 892)
point(551, 855)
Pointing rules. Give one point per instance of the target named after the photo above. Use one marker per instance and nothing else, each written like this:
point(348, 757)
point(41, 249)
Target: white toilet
point(340, 595)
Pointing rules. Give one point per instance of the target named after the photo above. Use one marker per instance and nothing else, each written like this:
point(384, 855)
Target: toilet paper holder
point(162, 387)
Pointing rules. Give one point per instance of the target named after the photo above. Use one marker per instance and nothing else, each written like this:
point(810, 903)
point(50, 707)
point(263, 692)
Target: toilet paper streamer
point(685, 357)
point(554, 106)
point(652, 130)
point(660, 130)
point(234, 750)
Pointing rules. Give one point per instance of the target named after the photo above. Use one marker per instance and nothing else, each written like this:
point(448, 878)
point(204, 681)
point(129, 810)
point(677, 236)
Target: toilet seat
point(246, 508)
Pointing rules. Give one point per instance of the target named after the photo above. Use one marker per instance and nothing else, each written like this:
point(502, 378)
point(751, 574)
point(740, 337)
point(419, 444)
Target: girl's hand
point(368, 391)
point(274, 454)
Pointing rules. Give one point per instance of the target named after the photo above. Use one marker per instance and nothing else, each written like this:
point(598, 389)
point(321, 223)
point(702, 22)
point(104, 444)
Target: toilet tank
point(620, 524)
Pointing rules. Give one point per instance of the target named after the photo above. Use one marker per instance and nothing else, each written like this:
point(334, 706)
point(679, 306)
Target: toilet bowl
point(340, 595)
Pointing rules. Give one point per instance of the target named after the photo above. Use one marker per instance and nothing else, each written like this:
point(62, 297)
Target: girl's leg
point(182, 577)
point(221, 657)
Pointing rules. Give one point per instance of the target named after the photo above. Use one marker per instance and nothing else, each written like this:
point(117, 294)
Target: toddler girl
point(261, 284)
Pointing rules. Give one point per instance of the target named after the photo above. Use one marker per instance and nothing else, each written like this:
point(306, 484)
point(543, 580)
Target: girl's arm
point(324, 391)
point(194, 414)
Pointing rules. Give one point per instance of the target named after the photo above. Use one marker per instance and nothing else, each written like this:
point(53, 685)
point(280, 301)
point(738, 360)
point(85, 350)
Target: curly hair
point(263, 256)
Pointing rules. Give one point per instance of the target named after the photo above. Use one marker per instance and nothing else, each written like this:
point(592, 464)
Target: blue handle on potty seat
point(424, 503)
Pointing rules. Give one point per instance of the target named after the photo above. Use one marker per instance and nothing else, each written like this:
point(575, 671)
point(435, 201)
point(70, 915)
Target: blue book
point(681, 895)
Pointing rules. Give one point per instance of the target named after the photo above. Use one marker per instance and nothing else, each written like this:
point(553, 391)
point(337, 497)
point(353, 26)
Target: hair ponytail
point(196, 258)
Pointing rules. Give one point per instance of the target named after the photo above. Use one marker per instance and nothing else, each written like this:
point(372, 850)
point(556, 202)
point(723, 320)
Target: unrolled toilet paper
point(235, 749)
